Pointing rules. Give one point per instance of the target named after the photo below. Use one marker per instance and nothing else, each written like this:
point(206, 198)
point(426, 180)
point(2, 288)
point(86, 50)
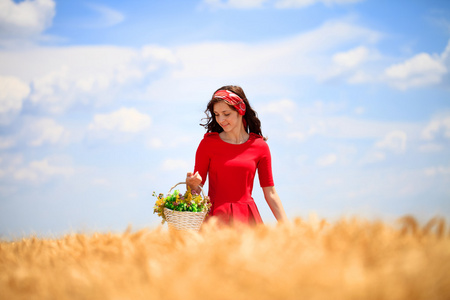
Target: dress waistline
point(238, 201)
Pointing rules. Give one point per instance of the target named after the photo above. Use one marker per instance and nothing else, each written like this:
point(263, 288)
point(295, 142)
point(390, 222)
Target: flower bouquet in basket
point(182, 211)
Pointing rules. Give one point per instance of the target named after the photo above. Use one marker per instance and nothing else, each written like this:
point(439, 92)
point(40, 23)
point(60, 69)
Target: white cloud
point(207, 65)
point(438, 170)
point(107, 16)
point(236, 4)
point(7, 142)
point(349, 64)
point(438, 125)
point(373, 157)
point(13, 92)
point(42, 170)
point(284, 4)
point(309, 55)
point(359, 110)
point(354, 128)
point(45, 130)
point(24, 20)
point(101, 182)
point(155, 56)
point(175, 164)
point(297, 135)
point(125, 120)
point(420, 71)
point(360, 77)
point(329, 121)
point(430, 147)
point(284, 108)
point(303, 54)
point(9, 163)
point(305, 3)
point(327, 160)
point(155, 143)
point(83, 75)
point(446, 54)
point(301, 159)
point(62, 77)
point(394, 141)
point(351, 58)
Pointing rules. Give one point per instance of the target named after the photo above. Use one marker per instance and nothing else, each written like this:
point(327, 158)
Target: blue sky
point(100, 103)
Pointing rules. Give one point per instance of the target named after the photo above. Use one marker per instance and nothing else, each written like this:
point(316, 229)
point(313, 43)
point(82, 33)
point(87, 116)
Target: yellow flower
point(188, 197)
point(160, 202)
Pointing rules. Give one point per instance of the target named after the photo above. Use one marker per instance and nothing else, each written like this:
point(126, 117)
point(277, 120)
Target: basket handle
point(201, 189)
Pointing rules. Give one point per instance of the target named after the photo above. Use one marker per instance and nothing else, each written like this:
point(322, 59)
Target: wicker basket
point(184, 220)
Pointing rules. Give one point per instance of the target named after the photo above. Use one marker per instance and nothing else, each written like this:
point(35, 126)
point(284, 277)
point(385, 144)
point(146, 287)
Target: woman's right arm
point(194, 180)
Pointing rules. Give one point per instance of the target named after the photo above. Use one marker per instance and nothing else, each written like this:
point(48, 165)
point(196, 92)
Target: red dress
point(231, 169)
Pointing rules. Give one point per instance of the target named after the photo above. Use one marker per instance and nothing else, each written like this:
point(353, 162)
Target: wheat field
point(305, 259)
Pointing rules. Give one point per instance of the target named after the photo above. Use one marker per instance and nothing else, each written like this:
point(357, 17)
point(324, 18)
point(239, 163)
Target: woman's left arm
point(272, 198)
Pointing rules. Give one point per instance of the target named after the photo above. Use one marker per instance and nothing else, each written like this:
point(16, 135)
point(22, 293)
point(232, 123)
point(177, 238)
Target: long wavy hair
point(251, 117)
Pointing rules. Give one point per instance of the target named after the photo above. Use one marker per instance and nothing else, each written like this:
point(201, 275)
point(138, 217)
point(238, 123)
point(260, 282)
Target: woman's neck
point(238, 137)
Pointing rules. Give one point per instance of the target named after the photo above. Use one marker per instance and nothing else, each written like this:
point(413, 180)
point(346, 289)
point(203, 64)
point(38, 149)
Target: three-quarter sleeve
point(202, 160)
point(265, 167)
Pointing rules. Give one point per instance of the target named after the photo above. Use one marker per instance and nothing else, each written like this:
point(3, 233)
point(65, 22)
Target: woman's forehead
point(221, 107)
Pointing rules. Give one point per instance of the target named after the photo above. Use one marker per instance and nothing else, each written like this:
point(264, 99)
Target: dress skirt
point(231, 213)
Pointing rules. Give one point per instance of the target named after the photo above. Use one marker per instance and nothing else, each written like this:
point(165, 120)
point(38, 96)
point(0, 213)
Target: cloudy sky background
point(100, 105)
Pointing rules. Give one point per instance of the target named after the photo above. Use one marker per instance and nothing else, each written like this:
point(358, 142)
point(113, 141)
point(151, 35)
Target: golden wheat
point(349, 259)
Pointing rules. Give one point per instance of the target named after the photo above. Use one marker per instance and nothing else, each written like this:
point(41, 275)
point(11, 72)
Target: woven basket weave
point(184, 220)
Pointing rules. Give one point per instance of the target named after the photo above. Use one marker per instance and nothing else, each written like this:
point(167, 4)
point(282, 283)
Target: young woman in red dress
point(230, 153)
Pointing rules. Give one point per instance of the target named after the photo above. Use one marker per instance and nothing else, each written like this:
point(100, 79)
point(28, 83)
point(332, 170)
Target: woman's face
point(226, 117)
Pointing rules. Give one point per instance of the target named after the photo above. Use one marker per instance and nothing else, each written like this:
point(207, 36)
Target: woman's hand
point(193, 180)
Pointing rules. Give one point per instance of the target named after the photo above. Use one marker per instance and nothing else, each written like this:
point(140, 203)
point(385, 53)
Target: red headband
point(231, 99)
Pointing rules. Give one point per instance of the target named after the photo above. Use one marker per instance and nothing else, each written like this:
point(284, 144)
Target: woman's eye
point(226, 115)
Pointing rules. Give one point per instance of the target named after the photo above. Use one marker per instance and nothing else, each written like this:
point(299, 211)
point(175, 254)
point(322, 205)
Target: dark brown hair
point(251, 117)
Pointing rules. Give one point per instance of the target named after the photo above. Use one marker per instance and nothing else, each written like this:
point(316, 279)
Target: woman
point(230, 153)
